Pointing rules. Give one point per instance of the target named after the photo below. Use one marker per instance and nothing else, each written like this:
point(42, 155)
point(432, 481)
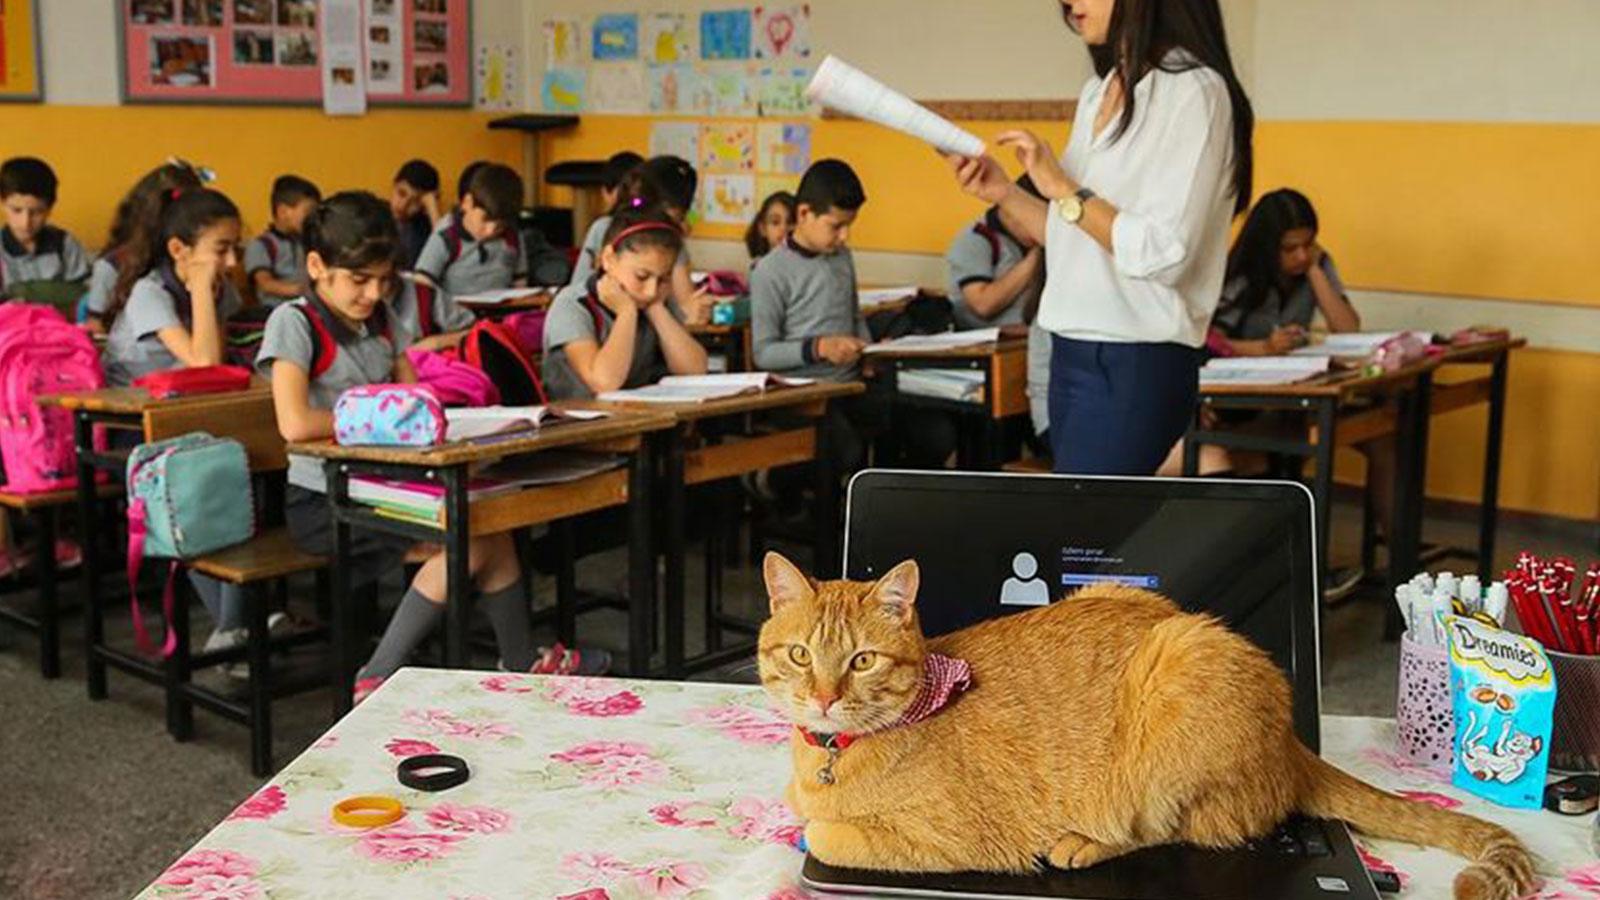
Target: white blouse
point(1170, 176)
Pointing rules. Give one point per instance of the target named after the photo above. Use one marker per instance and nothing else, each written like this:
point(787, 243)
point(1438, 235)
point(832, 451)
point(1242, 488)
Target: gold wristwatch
point(1071, 208)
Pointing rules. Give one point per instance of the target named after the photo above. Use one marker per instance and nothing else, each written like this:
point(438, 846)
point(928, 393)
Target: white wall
point(1428, 60)
point(79, 40)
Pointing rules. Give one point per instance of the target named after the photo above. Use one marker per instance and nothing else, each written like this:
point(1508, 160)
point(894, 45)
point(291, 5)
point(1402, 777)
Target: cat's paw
point(1078, 852)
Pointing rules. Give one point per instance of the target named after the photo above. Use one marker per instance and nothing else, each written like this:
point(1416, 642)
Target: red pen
point(1561, 611)
point(1530, 612)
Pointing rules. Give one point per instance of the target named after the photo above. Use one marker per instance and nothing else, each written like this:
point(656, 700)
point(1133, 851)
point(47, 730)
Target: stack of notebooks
point(960, 385)
point(701, 388)
point(1262, 370)
point(422, 502)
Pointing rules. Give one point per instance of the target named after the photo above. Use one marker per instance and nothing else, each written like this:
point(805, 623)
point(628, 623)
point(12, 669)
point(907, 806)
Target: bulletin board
point(417, 52)
point(20, 77)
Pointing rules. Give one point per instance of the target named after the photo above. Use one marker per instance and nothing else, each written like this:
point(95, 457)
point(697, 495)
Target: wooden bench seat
point(267, 556)
point(48, 499)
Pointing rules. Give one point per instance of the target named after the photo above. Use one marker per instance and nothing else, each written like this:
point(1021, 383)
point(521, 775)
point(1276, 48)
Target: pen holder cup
point(1423, 713)
point(1575, 735)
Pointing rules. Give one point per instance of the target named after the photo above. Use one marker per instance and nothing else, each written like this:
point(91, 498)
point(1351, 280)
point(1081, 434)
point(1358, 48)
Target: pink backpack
point(41, 353)
point(455, 382)
point(529, 328)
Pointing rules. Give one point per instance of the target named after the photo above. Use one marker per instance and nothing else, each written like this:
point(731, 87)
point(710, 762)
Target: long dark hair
point(184, 215)
point(754, 241)
point(1140, 35)
point(139, 213)
point(1255, 253)
point(353, 230)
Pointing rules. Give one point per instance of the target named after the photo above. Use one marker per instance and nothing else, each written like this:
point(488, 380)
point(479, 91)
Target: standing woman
point(1134, 224)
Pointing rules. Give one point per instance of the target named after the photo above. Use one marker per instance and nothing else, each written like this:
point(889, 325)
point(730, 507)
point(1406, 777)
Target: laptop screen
point(991, 545)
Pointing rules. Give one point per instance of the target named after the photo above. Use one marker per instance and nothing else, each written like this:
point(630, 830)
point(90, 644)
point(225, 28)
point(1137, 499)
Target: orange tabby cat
point(1095, 726)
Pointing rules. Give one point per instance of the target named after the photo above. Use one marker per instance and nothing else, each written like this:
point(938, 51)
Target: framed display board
point(417, 52)
point(20, 76)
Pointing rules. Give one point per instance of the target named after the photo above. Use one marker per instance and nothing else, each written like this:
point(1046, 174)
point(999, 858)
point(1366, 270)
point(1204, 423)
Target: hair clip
point(175, 193)
point(205, 175)
point(636, 202)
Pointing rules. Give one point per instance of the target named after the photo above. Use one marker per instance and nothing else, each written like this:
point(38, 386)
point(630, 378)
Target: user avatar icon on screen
point(1024, 588)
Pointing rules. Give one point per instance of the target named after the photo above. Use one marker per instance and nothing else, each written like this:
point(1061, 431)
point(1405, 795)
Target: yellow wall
point(99, 151)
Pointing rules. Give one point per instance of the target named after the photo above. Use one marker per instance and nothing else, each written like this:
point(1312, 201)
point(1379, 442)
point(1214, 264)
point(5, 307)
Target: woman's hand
point(981, 177)
point(1040, 162)
point(1285, 338)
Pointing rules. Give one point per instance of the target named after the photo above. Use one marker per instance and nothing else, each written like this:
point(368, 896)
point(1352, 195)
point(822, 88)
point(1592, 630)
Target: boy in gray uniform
point(422, 316)
point(994, 270)
point(275, 262)
point(38, 262)
point(477, 247)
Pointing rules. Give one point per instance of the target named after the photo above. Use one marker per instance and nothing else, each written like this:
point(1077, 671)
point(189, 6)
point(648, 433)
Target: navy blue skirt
point(1117, 409)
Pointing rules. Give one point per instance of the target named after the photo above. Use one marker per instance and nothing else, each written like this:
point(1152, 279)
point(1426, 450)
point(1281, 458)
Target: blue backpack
point(187, 496)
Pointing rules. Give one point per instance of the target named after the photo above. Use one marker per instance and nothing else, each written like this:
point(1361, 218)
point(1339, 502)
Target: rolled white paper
point(849, 90)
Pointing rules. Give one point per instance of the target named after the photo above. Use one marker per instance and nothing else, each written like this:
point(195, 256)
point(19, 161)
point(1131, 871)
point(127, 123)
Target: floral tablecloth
point(602, 789)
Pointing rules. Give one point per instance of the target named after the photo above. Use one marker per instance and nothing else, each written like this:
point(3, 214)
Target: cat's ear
point(785, 582)
point(897, 590)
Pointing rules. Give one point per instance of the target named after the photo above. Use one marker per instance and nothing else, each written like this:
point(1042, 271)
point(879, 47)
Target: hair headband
point(634, 229)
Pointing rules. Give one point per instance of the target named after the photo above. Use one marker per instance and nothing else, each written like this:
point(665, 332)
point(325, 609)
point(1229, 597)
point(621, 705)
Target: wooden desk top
point(537, 298)
point(1006, 345)
point(135, 401)
point(1349, 382)
point(571, 433)
point(777, 398)
point(710, 330)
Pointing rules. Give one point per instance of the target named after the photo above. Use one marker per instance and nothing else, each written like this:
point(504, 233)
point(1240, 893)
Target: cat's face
point(841, 656)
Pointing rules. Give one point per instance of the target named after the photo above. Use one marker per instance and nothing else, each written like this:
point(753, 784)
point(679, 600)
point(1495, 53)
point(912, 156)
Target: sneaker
point(558, 660)
point(364, 688)
point(278, 624)
point(68, 554)
point(225, 639)
point(1341, 584)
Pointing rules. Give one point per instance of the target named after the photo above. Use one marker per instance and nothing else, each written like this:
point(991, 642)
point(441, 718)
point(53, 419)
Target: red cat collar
point(943, 677)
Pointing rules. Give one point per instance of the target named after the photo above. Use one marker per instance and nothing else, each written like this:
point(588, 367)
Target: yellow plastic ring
point(368, 811)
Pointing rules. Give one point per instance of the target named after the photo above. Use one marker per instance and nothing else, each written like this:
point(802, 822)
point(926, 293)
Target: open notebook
point(869, 297)
point(1357, 343)
point(1262, 370)
point(700, 388)
point(495, 298)
point(481, 422)
point(949, 340)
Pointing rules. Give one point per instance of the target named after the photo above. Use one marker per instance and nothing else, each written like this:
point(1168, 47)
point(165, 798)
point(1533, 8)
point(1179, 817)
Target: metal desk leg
point(1322, 485)
point(1191, 446)
point(1405, 543)
point(566, 582)
point(89, 535)
point(260, 657)
point(340, 630)
point(180, 709)
point(673, 546)
point(641, 564)
point(458, 572)
point(49, 607)
point(1489, 509)
point(825, 546)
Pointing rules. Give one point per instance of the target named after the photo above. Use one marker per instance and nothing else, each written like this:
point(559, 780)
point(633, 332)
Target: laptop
point(1243, 551)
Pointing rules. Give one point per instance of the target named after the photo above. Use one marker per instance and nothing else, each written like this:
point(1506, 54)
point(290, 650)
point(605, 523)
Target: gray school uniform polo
point(980, 255)
point(1039, 378)
point(797, 296)
point(102, 284)
point(364, 356)
point(56, 256)
point(445, 314)
point(281, 254)
point(1275, 310)
point(589, 255)
point(158, 300)
point(573, 316)
point(454, 261)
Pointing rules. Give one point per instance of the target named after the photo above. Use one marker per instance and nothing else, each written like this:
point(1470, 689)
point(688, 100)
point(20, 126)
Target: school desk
point(591, 788)
point(732, 341)
point(705, 447)
point(124, 409)
point(536, 298)
point(1004, 364)
point(449, 465)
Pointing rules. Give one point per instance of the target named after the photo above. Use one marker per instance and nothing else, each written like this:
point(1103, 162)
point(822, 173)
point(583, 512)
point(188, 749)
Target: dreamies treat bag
point(1504, 695)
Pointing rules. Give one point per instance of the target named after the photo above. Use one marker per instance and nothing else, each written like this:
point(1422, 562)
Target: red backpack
point(495, 350)
point(324, 346)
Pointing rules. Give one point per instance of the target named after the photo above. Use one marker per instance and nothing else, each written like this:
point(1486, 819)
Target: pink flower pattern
point(593, 697)
point(771, 822)
point(468, 819)
point(508, 684)
point(444, 722)
point(745, 724)
point(219, 887)
point(222, 863)
point(403, 844)
point(403, 747)
point(599, 751)
point(669, 879)
point(594, 867)
point(672, 815)
point(625, 772)
point(1399, 765)
point(1586, 878)
point(264, 804)
point(590, 894)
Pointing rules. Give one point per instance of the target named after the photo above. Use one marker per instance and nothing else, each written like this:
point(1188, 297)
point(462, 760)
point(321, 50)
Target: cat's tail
point(1501, 867)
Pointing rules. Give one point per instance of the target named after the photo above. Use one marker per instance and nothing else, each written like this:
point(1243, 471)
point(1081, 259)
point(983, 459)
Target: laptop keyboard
point(1296, 837)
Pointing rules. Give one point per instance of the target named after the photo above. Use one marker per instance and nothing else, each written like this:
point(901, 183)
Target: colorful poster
point(19, 54)
point(726, 147)
point(616, 36)
point(680, 139)
point(668, 38)
point(783, 32)
point(499, 77)
point(767, 185)
point(783, 147)
point(723, 91)
point(671, 88)
point(782, 92)
point(344, 83)
point(725, 34)
point(729, 199)
point(561, 90)
point(616, 88)
point(386, 59)
point(563, 43)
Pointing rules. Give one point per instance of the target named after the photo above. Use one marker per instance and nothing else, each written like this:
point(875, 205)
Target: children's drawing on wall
point(668, 38)
point(680, 139)
point(729, 199)
point(616, 36)
point(671, 88)
point(563, 43)
point(783, 32)
point(783, 147)
point(726, 147)
point(725, 34)
point(561, 90)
